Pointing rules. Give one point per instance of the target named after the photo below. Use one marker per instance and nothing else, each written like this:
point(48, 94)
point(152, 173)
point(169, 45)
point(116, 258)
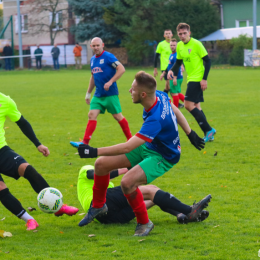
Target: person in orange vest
point(77, 52)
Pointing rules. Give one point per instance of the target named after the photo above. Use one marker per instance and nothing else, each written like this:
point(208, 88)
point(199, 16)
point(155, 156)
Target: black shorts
point(119, 211)
point(194, 92)
point(10, 162)
point(165, 76)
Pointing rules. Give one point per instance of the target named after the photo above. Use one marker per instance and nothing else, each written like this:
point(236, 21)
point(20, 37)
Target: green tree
point(91, 22)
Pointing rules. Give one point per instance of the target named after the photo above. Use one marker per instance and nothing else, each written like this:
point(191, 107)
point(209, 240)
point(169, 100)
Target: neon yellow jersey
point(192, 53)
point(85, 187)
point(9, 109)
point(163, 48)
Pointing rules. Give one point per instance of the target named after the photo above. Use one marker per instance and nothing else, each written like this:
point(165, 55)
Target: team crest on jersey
point(96, 70)
point(179, 148)
point(101, 61)
point(189, 50)
point(91, 63)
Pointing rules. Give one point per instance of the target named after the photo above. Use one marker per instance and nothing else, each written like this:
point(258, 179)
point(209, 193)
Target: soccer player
point(119, 210)
point(154, 150)
point(193, 54)
point(106, 70)
point(163, 51)
point(175, 85)
point(15, 166)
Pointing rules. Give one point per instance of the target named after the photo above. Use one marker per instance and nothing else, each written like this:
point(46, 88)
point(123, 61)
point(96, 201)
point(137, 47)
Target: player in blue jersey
point(150, 153)
point(175, 84)
point(105, 70)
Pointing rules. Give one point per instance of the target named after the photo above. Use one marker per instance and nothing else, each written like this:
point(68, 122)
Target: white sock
point(26, 217)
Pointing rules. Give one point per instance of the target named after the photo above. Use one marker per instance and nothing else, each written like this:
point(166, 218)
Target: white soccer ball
point(50, 200)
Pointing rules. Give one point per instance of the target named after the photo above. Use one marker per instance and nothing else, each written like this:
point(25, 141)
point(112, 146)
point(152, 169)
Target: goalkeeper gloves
point(86, 151)
point(196, 140)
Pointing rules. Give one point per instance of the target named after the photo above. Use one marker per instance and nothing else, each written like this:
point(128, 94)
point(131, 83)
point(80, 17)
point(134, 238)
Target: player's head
point(183, 30)
point(167, 34)
point(143, 87)
point(173, 44)
point(97, 45)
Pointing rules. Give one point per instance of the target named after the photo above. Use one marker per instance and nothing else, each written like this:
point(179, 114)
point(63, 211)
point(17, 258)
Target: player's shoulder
point(161, 95)
point(4, 97)
point(196, 42)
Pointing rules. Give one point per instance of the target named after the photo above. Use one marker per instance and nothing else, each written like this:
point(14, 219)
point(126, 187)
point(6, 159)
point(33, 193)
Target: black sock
point(11, 203)
point(168, 203)
point(90, 174)
point(201, 119)
point(166, 91)
point(36, 180)
point(203, 114)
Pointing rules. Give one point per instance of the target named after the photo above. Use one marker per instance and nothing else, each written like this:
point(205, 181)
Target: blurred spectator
point(55, 51)
point(28, 58)
point(38, 57)
point(8, 51)
point(77, 52)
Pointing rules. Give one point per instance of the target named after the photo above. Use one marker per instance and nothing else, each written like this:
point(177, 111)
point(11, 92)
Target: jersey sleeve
point(202, 52)
point(13, 112)
point(112, 60)
point(149, 130)
point(159, 49)
point(179, 57)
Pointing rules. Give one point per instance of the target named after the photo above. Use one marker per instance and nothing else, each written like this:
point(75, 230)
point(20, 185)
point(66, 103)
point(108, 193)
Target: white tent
point(227, 34)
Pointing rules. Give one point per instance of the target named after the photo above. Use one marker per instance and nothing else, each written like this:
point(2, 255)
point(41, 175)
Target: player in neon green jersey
point(197, 64)
point(15, 166)
point(164, 51)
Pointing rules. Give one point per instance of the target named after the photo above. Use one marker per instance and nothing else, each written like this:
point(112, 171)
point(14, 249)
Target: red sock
point(91, 126)
point(181, 97)
point(100, 190)
point(175, 100)
point(125, 127)
point(136, 201)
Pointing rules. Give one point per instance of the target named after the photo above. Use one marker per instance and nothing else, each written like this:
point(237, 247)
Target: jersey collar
point(100, 54)
point(154, 104)
point(173, 52)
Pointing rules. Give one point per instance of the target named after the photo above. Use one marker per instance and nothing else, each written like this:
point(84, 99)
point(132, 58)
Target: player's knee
point(118, 117)
point(126, 185)
point(92, 115)
point(2, 185)
point(100, 164)
point(22, 168)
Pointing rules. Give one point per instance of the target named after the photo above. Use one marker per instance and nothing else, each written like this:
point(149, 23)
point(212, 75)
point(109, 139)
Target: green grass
point(53, 102)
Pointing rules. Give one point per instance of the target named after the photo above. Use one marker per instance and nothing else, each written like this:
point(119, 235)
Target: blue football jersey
point(103, 68)
point(160, 130)
point(172, 60)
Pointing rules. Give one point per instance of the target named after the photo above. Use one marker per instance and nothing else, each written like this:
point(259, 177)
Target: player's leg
point(194, 95)
point(167, 84)
point(174, 93)
point(181, 96)
point(114, 107)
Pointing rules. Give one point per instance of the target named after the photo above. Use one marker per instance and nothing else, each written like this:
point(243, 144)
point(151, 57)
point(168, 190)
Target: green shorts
point(110, 103)
point(175, 89)
point(152, 163)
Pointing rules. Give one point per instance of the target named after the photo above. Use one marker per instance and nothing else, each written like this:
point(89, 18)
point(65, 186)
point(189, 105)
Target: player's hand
point(155, 72)
point(204, 84)
point(175, 82)
point(162, 75)
point(88, 101)
point(196, 140)
point(86, 151)
point(170, 74)
point(107, 85)
point(44, 150)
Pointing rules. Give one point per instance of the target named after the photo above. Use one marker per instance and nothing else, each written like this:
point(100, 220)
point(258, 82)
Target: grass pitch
point(53, 102)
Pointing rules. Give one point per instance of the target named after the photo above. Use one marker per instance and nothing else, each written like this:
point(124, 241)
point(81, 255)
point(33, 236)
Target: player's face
point(184, 35)
point(173, 46)
point(134, 90)
point(97, 46)
point(168, 35)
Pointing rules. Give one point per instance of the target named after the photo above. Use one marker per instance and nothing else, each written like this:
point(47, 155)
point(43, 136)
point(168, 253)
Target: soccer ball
point(50, 200)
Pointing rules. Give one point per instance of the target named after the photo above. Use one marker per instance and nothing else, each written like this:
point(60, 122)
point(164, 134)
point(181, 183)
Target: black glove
point(196, 140)
point(86, 151)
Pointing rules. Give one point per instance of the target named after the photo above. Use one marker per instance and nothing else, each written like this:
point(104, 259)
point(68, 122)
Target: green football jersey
point(9, 109)
point(85, 187)
point(192, 53)
point(163, 48)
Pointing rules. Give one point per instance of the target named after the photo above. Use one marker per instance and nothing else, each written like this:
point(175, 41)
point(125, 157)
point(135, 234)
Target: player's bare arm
point(91, 86)
point(120, 69)
point(86, 151)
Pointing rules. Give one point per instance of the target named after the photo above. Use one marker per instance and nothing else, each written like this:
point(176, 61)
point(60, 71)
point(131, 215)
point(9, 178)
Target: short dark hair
point(144, 79)
point(77, 43)
point(167, 30)
point(183, 26)
point(173, 40)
